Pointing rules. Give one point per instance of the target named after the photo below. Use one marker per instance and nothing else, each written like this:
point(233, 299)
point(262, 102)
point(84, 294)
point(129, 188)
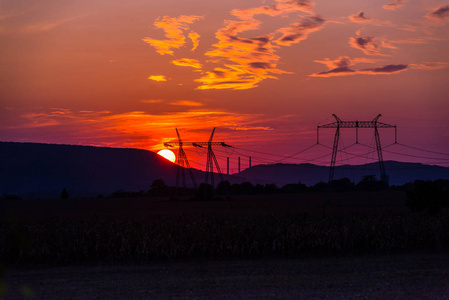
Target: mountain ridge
point(39, 170)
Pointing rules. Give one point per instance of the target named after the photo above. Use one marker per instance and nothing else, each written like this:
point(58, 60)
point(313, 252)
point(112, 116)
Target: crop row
point(59, 241)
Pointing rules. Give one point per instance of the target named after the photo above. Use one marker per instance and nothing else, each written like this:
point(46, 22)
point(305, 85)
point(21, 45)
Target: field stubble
point(270, 246)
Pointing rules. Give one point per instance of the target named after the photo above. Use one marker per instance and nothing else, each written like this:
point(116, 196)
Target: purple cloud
point(439, 14)
point(341, 67)
point(359, 18)
point(395, 4)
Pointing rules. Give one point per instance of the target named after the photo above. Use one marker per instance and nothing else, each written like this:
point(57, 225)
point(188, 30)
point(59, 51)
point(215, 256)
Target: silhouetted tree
point(369, 183)
point(271, 188)
point(223, 187)
point(205, 192)
point(341, 185)
point(259, 189)
point(427, 195)
point(294, 188)
point(319, 187)
point(64, 194)
point(158, 188)
point(246, 188)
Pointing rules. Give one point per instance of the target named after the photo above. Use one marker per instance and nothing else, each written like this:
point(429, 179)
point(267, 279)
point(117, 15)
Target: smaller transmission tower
point(338, 124)
point(211, 160)
point(183, 162)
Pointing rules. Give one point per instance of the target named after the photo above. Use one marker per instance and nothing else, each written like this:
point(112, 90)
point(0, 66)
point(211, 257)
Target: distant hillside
point(309, 174)
point(43, 170)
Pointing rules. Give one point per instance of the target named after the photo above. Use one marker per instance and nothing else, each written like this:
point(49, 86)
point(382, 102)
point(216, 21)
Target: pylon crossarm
point(338, 124)
point(357, 124)
point(195, 144)
point(183, 162)
point(383, 125)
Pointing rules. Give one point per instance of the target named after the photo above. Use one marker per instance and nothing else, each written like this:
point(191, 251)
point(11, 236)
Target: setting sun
point(167, 154)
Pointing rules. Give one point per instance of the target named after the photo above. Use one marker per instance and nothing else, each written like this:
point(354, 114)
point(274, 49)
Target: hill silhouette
point(399, 173)
point(43, 170)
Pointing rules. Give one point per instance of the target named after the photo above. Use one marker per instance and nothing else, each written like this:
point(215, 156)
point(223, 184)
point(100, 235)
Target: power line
point(299, 152)
point(416, 156)
point(420, 149)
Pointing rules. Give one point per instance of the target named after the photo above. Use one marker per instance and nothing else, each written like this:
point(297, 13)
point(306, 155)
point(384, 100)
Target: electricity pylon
point(183, 161)
point(211, 160)
point(358, 124)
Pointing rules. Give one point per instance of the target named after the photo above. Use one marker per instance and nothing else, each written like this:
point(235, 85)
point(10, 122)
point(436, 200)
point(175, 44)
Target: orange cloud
point(233, 77)
point(431, 66)
point(299, 31)
point(187, 62)
point(395, 4)
point(359, 18)
point(195, 37)
point(390, 44)
point(47, 26)
point(151, 101)
point(250, 60)
point(158, 78)
point(341, 67)
point(186, 103)
point(245, 62)
point(132, 129)
point(242, 62)
point(174, 32)
point(281, 8)
point(366, 44)
point(344, 61)
point(440, 14)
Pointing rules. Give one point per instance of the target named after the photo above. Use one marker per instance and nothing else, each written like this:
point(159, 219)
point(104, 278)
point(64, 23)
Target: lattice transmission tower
point(338, 124)
point(183, 162)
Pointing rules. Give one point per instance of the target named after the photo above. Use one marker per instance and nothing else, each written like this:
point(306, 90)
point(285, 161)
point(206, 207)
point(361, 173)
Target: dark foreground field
point(144, 208)
point(346, 245)
point(423, 276)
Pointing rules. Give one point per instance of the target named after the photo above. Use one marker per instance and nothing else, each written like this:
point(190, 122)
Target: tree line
point(422, 195)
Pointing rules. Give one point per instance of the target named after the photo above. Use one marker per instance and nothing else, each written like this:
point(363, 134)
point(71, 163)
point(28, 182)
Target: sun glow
point(167, 154)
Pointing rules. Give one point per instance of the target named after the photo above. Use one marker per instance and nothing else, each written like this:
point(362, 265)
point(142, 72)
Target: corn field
point(60, 241)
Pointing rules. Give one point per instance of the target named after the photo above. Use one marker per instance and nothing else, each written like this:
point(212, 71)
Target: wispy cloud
point(392, 44)
point(46, 26)
point(152, 101)
point(439, 14)
point(430, 65)
point(174, 32)
point(158, 78)
point(384, 70)
point(11, 14)
point(359, 18)
point(367, 44)
point(341, 67)
point(344, 61)
point(195, 38)
point(282, 7)
point(237, 62)
point(131, 129)
point(245, 62)
point(299, 31)
point(395, 4)
point(187, 103)
point(187, 62)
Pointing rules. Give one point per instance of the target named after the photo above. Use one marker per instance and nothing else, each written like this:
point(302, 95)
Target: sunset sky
point(264, 72)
